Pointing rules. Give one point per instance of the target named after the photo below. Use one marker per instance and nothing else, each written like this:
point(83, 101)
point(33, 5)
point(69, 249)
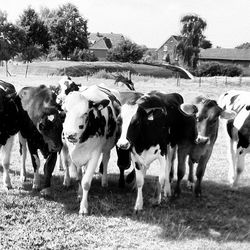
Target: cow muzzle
point(72, 138)
point(123, 145)
point(202, 140)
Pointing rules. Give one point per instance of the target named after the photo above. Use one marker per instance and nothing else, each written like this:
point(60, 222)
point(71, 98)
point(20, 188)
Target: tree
point(11, 37)
point(205, 44)
point(126, 51)
point(192, 35)
point(243, 46)
point(36, 40)
point(69, 30)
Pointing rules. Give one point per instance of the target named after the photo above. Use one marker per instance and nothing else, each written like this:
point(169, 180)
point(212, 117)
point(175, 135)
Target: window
point(165, 48)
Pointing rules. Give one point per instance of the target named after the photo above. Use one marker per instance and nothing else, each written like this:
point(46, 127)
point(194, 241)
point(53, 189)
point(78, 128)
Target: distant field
point(219, 220)
point(84, 68)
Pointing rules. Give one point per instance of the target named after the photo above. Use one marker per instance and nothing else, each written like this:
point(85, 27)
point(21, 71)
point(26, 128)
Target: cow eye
point(80, 126)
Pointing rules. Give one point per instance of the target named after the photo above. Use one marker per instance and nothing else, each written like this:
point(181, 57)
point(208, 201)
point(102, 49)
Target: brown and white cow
point(238, 130)
point(90, 130)
point(207, 115)
point(41, 126)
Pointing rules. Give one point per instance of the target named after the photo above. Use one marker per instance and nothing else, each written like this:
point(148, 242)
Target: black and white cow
point(148, 129)
point(90, 130)
point(238, 130)
point(200, 150)
point(9, 126)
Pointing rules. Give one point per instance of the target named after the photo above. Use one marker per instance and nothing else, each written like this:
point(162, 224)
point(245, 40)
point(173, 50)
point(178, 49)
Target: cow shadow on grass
point(221, 213)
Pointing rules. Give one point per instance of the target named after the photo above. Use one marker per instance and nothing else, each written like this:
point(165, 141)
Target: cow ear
point(189, 109)
point(199, 99)
point(99, 105)
point(227, 114)
point(24, 95)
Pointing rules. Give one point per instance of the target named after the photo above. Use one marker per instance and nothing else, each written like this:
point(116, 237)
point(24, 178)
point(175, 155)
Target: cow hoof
point(154, 201)
point(22, 179)
point(66, 183)
point(190, 185)
point(137, 211)
point(105, 185)
point(83, 214)
point(46, 192)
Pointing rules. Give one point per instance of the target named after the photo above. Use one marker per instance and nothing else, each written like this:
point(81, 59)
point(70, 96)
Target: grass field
point(218, 220)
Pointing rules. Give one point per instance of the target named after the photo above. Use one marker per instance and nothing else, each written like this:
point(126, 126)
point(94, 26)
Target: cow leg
point(190, 182)
point(6, 152)
point(48, 171)
point(23, 152)
point(232, 156)
point(201, 167)
point(240, 167)
point(140, 174)
point(66, 161)
point(105, 160)
point(182, 153)
point(86, 182)
point(171, 160)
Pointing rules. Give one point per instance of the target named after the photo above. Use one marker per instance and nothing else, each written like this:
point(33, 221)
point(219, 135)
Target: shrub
point(83, 55)
point(103, 74)
point(54, 53)
point(126, 51)
point(217, 69)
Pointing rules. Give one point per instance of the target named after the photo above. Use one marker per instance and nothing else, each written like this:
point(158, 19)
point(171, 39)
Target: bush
point(126, 51)
point(83, 55)
point(218, 69)
point(103, 74)
point(54, 53)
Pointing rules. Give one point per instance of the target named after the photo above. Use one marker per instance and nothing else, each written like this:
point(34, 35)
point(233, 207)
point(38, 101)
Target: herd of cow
point(82, 125)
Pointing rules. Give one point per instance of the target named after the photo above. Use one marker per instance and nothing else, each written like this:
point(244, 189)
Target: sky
point(152, 22)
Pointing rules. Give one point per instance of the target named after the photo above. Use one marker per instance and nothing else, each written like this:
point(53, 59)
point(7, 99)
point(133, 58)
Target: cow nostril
point(72, 136)
point(125, 145)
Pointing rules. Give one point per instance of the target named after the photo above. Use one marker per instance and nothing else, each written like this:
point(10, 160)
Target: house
point(240, 57)
point(167, 51)
point(100, 43)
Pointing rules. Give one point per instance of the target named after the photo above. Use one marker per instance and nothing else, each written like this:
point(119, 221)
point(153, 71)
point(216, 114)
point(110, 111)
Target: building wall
point(167, 51)
point(100, 54)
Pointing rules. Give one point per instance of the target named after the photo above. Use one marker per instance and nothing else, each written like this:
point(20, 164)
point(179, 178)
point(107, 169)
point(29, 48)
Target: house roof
point(177, 38)
point(104, 40)
point(225, 54)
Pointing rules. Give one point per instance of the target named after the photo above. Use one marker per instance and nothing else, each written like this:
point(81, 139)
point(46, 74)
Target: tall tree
point(244, 46)
point(192, 30)
point(11, 39)
point(69, 30)
point(37, 37)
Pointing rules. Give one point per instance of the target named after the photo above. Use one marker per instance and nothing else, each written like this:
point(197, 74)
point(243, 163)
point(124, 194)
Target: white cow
point(90, 130)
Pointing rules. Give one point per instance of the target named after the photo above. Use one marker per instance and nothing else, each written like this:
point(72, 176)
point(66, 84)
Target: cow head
point(208, 113)
point(83, 117)
point(41, 108)
point(65, 86)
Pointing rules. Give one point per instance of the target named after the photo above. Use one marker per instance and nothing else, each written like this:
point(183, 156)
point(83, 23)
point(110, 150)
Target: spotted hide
point(41, 126)
point(238, 131)
point(147, 131)
point(90, 130)
point(9, 126)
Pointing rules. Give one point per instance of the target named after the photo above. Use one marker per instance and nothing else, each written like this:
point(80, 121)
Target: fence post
point(240, 80)
point(200, 81)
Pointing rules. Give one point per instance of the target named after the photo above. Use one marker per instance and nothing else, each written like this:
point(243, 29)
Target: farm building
point(100, 43)
point(240, 57)
point(166, 52)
